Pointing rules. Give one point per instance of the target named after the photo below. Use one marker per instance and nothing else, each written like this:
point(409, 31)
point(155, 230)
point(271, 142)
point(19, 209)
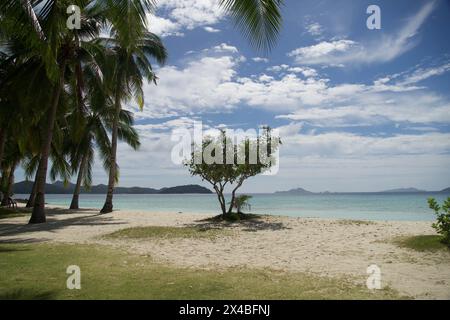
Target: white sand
point(323, 247)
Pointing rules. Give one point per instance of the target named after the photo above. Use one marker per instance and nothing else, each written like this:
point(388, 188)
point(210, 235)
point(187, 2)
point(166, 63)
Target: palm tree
point(43, 29)
point(260, 21)
point(45, 44)
point(95, 133)
point(241, 202)
point(12, 159)
point(131, 47)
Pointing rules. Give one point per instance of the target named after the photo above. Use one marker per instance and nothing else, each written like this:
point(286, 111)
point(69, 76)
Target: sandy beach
point(319, 246)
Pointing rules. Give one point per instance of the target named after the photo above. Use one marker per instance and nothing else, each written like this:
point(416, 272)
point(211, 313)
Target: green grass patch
point(13, 213)
point(38, 271)
point(422, 243)
point(168, 233)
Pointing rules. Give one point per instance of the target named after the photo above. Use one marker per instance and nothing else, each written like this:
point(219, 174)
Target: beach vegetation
point(422, 242)
point(442, 224)
point(162, 232)
point(242, 202)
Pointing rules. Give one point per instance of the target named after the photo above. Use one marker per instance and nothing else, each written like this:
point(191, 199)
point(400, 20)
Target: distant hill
point(403, 190)
point(301, 191)
point(25, 187)
point(297, 191)
point(190, 188)
point(446, 190)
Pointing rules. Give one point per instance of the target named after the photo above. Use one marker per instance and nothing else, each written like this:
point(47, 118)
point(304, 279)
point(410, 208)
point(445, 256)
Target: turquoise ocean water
point(411, 207)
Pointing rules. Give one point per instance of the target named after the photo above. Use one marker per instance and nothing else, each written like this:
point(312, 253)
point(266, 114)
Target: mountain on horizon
point(58, 187)
point(301, 191)
point(296, 191)
point(403, 190)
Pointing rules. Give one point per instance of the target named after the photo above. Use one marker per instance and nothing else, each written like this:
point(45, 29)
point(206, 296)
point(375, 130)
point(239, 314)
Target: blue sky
point(357, 109)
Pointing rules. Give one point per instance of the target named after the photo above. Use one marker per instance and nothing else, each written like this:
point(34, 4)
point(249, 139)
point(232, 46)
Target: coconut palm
point(131, 48)
point(56, 46)
point(130, 65)
point(260, 21)
point(242, 202)
point(95, 132)
point(10, 163)
point(39, 27)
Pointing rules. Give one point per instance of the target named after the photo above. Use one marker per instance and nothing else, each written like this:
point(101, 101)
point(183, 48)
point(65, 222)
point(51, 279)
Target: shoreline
point(430, 215)
point(325, 247)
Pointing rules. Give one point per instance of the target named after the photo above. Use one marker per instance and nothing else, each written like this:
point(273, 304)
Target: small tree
point(221, 161)
point(442, 224)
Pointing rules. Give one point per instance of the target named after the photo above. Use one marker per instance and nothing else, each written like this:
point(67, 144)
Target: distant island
point(295, 191)
point(25, 187)
point(403, 190)
point(301, 191)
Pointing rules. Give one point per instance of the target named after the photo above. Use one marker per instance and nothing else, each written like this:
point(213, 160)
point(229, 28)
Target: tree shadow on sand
point(53, 224)
point(248, 222)
point(27, 294)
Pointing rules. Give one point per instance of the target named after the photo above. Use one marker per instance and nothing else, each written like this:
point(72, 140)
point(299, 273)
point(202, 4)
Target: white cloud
point(210, 82)
point(315, 161)
point(344, 145)
point(211, 29)
point(203, 84)
point(424, 73)
point(223, 47)
point(185, 15)
point(314, 29)
point(284, 68)
point(163, 27)
point(259, 59)
point(346, 51)
point(316, 53)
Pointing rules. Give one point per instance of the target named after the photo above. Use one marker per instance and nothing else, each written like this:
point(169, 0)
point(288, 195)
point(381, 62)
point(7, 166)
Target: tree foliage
point(442, 224)
point(223, 161)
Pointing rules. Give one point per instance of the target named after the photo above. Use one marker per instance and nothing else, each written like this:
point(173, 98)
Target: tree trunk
point(220, 196)
point(2, 149)
point(233, 196)
point(38, 214)
point(76, 192)
point(2, 144)
point(9, 187)
point(5, 175)
point(108, 206)
point(32, 197)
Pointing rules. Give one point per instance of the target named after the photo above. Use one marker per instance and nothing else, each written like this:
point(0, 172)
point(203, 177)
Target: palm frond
point(259, 20)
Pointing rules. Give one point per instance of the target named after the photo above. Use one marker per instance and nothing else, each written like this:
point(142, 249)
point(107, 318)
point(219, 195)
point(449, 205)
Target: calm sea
point(411, 207)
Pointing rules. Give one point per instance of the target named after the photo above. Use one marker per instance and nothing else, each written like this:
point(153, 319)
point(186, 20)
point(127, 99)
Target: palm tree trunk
point(2, 144)
point(5, 174)
point(76, 193)
point(9, 188)
point(38, 214)
point(3, 185)
point(108, 206)
point(2, 149)
point(32, 198)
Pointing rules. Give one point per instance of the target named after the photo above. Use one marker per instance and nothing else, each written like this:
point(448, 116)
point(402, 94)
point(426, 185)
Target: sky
point(357, 109)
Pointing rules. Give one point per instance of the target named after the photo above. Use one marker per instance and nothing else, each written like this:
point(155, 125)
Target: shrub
point(442, 224)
